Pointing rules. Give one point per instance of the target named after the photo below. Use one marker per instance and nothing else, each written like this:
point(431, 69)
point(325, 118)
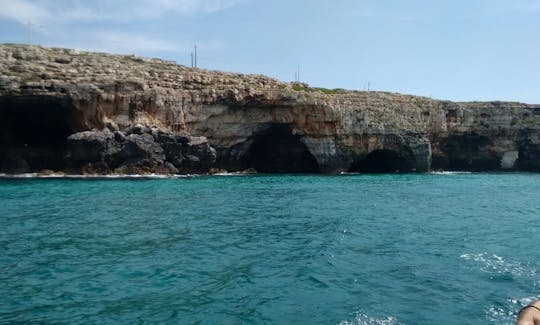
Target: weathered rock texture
point(138, 150)
point(156, 116)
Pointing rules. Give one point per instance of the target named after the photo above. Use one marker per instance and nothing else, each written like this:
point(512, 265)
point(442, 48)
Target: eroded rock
point(157, 110)
point(142, 151)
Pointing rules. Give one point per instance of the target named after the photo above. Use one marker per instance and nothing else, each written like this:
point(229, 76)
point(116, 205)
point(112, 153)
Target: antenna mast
point(195, 56)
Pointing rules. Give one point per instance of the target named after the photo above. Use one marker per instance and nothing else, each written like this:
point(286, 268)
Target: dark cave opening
point(466, 152)
point(33, 133)
point(383, 161)
point(277, 150)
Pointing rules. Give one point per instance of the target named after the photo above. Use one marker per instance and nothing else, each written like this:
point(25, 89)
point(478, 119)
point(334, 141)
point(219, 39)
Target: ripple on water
point(506, 313)
point(364, 318)
point(496, 265)
point(399, 249)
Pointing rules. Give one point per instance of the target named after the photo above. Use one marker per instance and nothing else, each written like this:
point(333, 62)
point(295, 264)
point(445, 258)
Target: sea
point(435, 248)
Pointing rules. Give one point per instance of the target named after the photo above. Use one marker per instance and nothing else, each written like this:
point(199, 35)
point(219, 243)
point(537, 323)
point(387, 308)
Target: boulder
point(173, 146)
point(88, 146)
point(199, 156)
point(139, 150)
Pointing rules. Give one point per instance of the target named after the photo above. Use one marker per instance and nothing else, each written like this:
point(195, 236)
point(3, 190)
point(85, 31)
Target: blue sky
point(457, 50)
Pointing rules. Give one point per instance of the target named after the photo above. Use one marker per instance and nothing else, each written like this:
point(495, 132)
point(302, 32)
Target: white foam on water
point(522, 301)
point(508, 313)
point(449, 172)
point(362, 318)
point(118, 176)
point(499, 315)
point(95, 176)
point(25, 175)
point(502, 313)
point(232, 174)
point(495, 264)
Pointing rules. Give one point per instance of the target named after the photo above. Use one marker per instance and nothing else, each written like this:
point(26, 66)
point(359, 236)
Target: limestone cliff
point(251, 121)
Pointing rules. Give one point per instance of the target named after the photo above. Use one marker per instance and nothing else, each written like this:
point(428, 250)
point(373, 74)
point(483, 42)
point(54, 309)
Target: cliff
point(77, 111)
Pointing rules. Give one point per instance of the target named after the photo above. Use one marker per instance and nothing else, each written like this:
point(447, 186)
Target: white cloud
point(122, 42)
point(93, 25)
point(68, 11)
point(22, 11)
point(192, 6)
point(134, 43)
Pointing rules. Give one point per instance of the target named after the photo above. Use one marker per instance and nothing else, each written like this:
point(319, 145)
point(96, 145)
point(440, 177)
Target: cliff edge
point(73, 111)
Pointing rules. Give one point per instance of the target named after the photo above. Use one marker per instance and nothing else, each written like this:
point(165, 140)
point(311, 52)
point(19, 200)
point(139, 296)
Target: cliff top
point(49, 71)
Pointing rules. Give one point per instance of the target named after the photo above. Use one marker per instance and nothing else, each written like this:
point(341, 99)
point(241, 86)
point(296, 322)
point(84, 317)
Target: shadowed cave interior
point(384, 161)
point(466, 152)
point(277, 150)
point(33, 133)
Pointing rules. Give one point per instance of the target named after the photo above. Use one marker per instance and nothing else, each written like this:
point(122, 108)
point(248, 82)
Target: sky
point(461, 50)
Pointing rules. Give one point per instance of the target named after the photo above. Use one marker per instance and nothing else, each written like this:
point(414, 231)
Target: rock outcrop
point(91, 112)
point(138, 150)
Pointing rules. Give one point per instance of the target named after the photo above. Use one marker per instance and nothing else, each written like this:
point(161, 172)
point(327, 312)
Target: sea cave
point(33, 133)
point(276, 149)
point(384, 161)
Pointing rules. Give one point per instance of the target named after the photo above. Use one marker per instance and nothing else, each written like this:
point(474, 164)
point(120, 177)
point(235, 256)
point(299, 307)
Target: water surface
point(355, 249)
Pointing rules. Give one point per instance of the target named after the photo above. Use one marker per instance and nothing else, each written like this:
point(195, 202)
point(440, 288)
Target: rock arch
point(394, 153)
point(385, 161)
point(273, 148)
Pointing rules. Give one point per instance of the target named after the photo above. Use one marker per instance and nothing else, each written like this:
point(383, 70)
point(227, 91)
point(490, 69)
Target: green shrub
point(326, 90)
point(297, 87)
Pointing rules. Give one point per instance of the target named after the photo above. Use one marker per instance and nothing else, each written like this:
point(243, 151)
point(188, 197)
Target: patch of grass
point(298, 87)
point(303, 87)
point(281, 87)
point(327, 91)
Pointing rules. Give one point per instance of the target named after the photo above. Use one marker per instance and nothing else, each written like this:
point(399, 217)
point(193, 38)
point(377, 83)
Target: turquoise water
point(355, 249)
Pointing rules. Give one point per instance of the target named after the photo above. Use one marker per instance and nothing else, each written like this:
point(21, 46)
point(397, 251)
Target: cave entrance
point(33, 133)
point(466, 152)
point(384, 161)
point(277, 150)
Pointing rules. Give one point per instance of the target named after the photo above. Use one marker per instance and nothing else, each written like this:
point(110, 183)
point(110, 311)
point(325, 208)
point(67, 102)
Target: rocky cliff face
point(149, 115)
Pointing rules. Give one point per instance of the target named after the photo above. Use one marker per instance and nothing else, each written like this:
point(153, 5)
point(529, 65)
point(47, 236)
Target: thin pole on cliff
point(195, 56)
point(29, 25)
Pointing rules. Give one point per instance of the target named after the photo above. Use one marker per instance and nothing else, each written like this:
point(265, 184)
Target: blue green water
point(356, 249)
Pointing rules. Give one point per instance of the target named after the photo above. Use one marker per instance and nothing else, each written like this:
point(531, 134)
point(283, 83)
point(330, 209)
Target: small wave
point(500, 315)
point(232, 174)
point(449, 172)
point(492, 263)
point(25, 175)
point(94, 176)
point(523, 301)
point(362, 318)
point(117, 176)
point(507, 314)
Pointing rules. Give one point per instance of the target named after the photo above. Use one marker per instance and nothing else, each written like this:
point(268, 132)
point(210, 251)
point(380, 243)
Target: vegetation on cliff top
point(306, 87)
